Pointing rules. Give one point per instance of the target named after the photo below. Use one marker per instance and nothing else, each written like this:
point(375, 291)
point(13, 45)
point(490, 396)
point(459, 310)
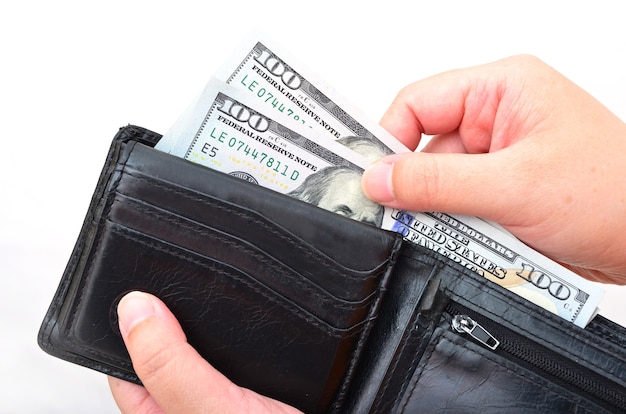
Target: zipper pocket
point(535, 357)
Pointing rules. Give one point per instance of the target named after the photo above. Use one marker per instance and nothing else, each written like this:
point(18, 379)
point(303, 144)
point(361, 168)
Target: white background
point(72, 73)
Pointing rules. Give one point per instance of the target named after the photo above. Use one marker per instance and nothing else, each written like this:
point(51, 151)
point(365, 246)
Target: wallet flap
point(277, 294)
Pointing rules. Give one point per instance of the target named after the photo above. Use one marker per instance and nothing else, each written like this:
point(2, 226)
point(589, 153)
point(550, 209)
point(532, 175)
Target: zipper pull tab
point(465, 324)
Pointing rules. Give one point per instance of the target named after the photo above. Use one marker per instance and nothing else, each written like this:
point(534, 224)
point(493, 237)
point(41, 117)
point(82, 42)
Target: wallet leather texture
point(311, 308)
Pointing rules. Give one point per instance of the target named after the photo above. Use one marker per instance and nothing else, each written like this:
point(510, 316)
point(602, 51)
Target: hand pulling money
point(265, 119)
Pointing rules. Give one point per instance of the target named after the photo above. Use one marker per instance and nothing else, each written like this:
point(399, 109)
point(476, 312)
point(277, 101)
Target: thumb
point(468, 184)
point(177, 378)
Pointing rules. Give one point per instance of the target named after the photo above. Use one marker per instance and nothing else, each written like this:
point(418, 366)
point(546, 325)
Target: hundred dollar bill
point(286, 89)
point(503, 259)
point(226, 131)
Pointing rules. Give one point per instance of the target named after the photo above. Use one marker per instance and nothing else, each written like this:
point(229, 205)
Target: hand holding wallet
point(313, 309)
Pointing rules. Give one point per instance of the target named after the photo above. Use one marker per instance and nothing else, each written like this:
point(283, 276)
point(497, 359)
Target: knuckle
point(431, 184)
point(420, 184)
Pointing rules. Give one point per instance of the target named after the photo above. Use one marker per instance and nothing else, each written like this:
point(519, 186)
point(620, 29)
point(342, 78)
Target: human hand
point(515, 142)
point(176, 378)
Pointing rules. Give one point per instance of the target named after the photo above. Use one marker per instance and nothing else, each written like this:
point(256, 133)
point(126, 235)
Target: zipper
point(535, 357)
point(465, 324)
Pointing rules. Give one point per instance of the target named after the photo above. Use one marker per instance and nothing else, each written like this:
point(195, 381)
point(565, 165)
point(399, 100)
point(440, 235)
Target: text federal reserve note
point(225, 132)
point(285, 89)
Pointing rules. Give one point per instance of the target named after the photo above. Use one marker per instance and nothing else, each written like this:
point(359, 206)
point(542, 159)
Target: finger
point(174, 374)
point(132, 398)
point(471, 102)
point(435, 105)
point(478, 185)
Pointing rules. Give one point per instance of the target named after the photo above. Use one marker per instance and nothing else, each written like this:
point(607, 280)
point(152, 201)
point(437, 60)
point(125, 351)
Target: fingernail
point(133, 309)
point(377, 183)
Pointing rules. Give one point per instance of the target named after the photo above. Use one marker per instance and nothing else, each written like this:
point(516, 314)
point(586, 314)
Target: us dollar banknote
point(498, 256)
point(225, 132)
point(226, 129)
point(287, 90)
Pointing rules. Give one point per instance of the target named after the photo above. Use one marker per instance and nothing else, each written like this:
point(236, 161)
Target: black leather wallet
point(311, 308)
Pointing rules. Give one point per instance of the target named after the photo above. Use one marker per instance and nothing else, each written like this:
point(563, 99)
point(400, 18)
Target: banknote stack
point(263, 117)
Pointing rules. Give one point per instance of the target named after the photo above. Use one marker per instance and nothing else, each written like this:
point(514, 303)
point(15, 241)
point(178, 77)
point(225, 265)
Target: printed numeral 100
point(243, 114)
point(277, 68)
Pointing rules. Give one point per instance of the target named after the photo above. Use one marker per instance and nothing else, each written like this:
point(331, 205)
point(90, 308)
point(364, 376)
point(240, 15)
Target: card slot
point(322, 239)
point(241, 221)
point(167, 195)
point(130, 260)
point(226, 273)
point(254, 261)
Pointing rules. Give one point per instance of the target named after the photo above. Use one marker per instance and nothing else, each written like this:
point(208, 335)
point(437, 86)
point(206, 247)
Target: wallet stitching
point(395, 367)
point(297, 243)
point(340, 304)
point(60, 296)
point(428, 352)
point(409, 369)
point(414, 326)
point(609, 334)
point(393, 257)
point(97, 227)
